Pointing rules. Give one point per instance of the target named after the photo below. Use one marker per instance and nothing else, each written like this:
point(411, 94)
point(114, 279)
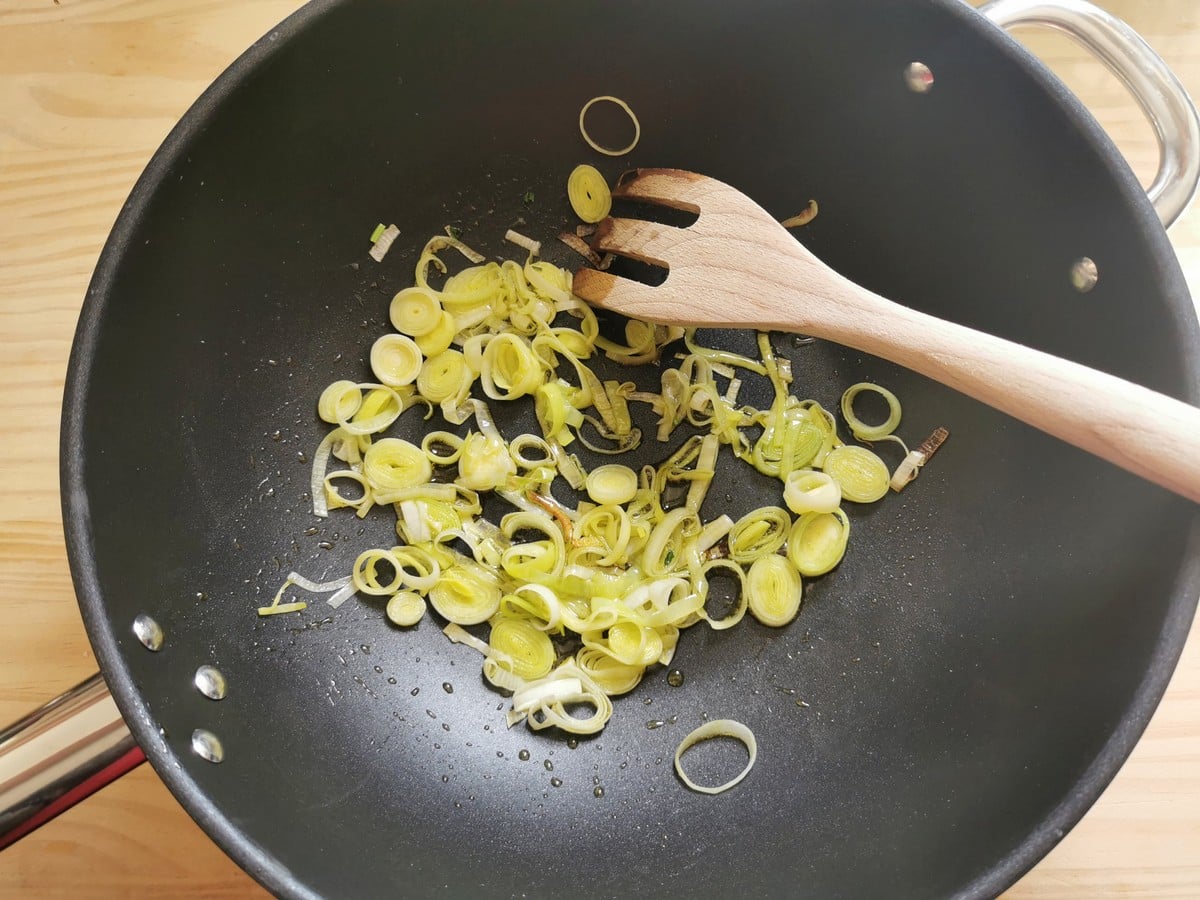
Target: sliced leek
point(774, 591)
point(714, 729)
point(577, 594)
point(817, 542)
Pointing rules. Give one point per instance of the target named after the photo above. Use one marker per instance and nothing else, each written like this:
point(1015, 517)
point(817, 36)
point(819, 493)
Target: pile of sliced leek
point(577, 599)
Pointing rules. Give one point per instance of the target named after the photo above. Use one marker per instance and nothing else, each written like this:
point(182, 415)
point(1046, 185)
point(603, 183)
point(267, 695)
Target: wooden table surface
point(88, 89)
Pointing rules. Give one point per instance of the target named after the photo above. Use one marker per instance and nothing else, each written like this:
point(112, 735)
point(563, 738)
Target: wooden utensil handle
point(1150, 434)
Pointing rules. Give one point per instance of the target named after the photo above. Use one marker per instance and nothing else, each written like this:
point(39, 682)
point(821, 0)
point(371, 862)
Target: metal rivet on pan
point(207, 745)
point(1084, 274)
point(918, 77)
point(211, 682)
point(148, 631)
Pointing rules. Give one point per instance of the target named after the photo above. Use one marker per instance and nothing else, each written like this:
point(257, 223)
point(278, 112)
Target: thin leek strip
point(340, 400)
point(862, 476)
point(609, 530)
point(341, 596)
point(810, 491)
point(465, 595)
point(569, 466)
point(405, 608)
point(704, 471)
point(281, 608)
point(613, 677)
point(317, 587)
point(713, 532)
point(447, 493)
point(707, 731)
point(415, 311)
point(723, 357)
point(380, 408)
point(758, 533)
point(774, 591)
point(817, 542)
point(739, 610)
point(335, 500)
point(316, 484)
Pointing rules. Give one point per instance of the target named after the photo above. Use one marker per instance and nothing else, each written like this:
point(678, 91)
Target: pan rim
point(271, 872)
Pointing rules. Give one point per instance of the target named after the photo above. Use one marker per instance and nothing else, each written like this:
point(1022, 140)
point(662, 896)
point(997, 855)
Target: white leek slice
point(396, 360)
point(405, 608)
point(774, 591)
point(707, 731)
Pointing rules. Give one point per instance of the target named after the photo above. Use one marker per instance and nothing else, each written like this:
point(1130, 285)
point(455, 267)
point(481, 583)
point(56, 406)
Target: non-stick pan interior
point(950, 699)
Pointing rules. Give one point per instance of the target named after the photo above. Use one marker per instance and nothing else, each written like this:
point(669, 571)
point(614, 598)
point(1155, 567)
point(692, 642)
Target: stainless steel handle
point(1153, 85)
point(60, 754)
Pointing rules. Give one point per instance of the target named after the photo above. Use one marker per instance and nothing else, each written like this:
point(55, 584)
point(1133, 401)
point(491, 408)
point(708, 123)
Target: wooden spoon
point(736, 267)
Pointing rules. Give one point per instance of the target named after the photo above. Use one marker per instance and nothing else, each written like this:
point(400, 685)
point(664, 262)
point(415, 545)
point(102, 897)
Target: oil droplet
point(379, 670)
point(672, 720)
point(572, 743)
point(647, 701)
point(499, 754)
point(624, 765)
point(365, 648)
point(445, 726)
point(445, 779)
point(275, 435)
point(447, 687)
point(391, 680)
point(523, 755)
point(415, 691)
point(549, 766)
point(597, 792)
point(675, 678)
point(655, 723)
point(310, 531)
point(555, 782)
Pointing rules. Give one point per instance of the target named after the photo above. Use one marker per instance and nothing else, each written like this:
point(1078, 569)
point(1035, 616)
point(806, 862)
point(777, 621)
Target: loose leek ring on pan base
point(714, 729)
point(637, 126)
point(860, 429)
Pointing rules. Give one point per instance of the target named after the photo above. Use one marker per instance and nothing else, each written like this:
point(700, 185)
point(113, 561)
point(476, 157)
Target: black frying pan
point(975, 671)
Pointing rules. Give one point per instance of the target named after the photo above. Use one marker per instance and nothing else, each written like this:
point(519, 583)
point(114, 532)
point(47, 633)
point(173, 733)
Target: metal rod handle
point(59, 754)
point(1153, 85)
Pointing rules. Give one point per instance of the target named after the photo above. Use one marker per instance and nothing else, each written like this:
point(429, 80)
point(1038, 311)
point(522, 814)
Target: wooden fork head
point(734, 267)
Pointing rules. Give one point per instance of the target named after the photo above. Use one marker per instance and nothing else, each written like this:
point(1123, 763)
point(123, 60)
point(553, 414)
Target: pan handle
point(59, 754)
point(1153, 85)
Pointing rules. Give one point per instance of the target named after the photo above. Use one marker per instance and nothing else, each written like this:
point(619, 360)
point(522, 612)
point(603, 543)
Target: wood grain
point(88, 89)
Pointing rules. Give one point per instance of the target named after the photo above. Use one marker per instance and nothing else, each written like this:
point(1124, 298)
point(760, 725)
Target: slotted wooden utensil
point(736, 267)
